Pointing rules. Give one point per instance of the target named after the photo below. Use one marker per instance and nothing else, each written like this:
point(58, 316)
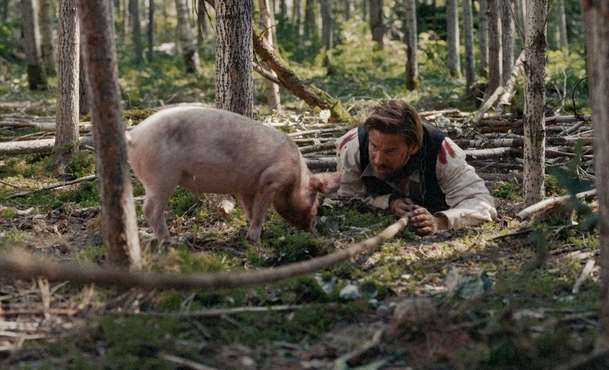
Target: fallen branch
point(185, 363)
point(214, 312)
point(487, 105)
point(26, 267)
point(53, 186)
point(35, 146)
point(509, 89)
point(550, 203)
point(317, 147)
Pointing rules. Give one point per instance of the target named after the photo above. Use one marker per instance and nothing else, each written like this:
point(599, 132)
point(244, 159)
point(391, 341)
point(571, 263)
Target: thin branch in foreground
point(215, 312)
point(25, 266)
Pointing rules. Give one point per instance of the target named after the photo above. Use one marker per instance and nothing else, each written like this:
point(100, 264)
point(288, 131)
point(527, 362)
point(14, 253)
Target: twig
point(214, 312)
point(583, 276)
point(53, 186)
point(25, 266)
point(183, 362)
point(550, 203)
point(356, 355)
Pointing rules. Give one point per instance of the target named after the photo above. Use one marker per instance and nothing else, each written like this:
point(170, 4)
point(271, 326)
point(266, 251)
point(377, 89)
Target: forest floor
point(502, 295)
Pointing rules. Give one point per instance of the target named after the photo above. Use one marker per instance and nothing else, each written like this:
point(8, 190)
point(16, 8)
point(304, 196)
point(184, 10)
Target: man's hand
point(401, 206)
point(425, 223)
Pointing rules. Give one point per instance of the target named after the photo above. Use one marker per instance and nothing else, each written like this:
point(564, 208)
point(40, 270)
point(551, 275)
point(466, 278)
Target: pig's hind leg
point(246, 201)
point(154, 207)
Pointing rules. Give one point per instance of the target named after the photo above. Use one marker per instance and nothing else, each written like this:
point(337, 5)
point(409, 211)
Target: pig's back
point(210, 149)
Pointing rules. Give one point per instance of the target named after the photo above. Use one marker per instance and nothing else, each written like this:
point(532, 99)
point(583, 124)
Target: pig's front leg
point(260, 205)
point(154, 205)
point(246, 201)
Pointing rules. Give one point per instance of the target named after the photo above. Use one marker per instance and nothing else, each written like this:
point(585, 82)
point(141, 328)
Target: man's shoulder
point(347, 147)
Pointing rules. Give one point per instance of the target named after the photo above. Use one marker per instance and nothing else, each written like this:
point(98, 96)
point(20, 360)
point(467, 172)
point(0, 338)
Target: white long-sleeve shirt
point(468, 198)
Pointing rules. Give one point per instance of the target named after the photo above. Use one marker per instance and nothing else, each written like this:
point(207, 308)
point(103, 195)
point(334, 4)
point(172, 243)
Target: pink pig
point(209, 150)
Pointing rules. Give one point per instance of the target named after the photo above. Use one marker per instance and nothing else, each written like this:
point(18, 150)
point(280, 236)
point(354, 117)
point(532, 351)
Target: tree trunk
point(36, 75)
point(83, 99)
point(376, 21)
point(452, 35)
point(597, 45)
point(136, 31)
point(234, 83)
point(310, 26)
point(189, 51)
point(507, 41)
point(483, 37)
point(271, 89)
point(534, 126)
point(561, 19)
point(46, 32)
point(5, 10)
point(150, 30)
point(364, 10)
point(326, 25)
point(411, 45)
point(297, 16)
point(119, 227)
point(347, 9)
point(494, 47)
point(468, 30)
point(202, 27)
point(283, 9)
point(66, 136)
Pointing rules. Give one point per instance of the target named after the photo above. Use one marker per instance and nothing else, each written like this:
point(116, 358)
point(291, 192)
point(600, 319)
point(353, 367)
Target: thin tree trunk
point(494, 47)
point(534, 127)
point(347, 9)
point(297, 16)
point(136, 31)
point(310, 26)
point(483, 37)
point(190, 54)
point(5, 10)
point(234, 52)
point(202, 27)
point(468, 30)
point(326, 24)
point(46, 31)
point(507, 41)
point(67, 118)
point(83, 100)
point(411, 45)
point(36, 75)
point(561, 19)
point(283, 9)
point(271, 89)
point(119, 227)
point(452, 35)
point(597, 45)
point(150, 30)
point(365, 10)
point(376, 22)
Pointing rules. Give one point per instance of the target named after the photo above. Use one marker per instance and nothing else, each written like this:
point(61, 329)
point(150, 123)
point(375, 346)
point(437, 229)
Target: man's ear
point(327, 182)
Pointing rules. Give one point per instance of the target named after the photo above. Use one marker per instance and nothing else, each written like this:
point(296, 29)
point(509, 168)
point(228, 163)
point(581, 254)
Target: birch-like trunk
point(411, 45)
point(561, 20)
point(271, 89)
point(234, 54)
point(534, 126)
point(119, 226)
point(452, 35)
point(597, 45)
point(68, 86)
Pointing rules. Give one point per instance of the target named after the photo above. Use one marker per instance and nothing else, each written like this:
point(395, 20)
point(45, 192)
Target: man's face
point(388, 152)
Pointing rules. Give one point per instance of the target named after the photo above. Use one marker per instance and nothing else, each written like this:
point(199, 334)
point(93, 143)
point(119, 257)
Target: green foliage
point(82, 164)
point(86, 195)
point(565, 69)
point(510, 190)
point(182, 201)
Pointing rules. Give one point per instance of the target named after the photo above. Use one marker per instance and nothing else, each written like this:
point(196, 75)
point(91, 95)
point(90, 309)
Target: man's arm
point(466, 194)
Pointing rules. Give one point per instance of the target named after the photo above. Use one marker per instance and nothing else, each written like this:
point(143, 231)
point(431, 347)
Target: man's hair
point(396, 117)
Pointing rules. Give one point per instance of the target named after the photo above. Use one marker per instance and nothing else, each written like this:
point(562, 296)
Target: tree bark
point(83, 99)
point(119, 227)
point(412, 72)
point(347, 9)
point(66, 136)
point(507, 41)
point(494, 47)
point(365, 10)
point(150, 30)
point(283, 9)
point(202, 27)
point(5, 10)
point(534, 126)
point(136, 31)
point(234, 83)
point(46, 31)
point(326, 25)
point(452, 36)
point(310, 26)
point(483, 37)
point(271, 89)
point(190, 54)
point(36, 75)
point(561, 21)
point(376, 21)
point(468, 30)
point(597, 45)
point(297, 16)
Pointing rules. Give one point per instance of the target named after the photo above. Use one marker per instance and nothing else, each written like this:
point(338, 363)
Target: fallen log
point(519, 142)
point(25, 266)
point(509, 89)
point(550, 203)
point(36, 146)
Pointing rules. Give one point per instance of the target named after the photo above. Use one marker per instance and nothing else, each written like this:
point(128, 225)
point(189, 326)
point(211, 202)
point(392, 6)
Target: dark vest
point(429, 195)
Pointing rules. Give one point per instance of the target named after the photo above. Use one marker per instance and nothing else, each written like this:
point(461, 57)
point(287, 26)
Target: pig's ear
point(327, 182)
